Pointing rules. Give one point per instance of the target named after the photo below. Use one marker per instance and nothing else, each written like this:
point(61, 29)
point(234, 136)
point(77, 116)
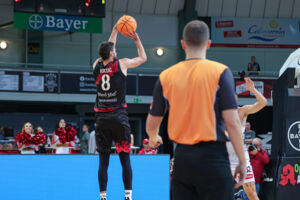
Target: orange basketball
point(126, 24)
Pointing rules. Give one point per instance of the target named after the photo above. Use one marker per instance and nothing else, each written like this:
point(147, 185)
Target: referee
point(200, 97)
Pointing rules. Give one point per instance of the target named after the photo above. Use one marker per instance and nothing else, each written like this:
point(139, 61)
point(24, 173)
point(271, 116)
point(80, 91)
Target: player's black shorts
point(112, 126)
point(202, 171)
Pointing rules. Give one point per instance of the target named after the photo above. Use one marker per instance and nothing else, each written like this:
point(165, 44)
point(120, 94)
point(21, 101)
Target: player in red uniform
point(111, 116)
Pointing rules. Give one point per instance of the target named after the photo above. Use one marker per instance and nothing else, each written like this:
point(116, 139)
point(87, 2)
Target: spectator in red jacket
point(146, 148)
point(258, 159)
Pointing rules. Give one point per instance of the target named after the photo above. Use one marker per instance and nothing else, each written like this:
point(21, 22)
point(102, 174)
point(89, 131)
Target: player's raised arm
point(113, 39)
point(113, 36)
point(261, 100)
point(137, 61)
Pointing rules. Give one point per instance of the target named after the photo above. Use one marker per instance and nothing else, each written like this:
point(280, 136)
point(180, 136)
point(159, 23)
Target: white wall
point(15, 45)
point(238, 58)
point(154, 31)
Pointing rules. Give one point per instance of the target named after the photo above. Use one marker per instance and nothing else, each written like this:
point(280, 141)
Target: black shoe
point(127, 198)
point(103, 198)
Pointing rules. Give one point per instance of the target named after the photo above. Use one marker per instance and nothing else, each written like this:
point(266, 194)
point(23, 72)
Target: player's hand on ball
point(155, 142)
point(240, 173)
point(133, 35)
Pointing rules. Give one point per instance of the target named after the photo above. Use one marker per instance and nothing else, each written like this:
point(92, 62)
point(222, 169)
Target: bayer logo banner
point(293, 137)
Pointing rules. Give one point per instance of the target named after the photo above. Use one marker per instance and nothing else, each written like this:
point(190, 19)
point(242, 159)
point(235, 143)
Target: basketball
point(126, 24)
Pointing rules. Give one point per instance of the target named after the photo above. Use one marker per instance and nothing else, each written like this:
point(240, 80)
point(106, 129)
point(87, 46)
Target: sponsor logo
point(86, 78)
point(294, 135)
point(57, 22)
point(35, 21)
point(249, 176)
point(290, 175)
point(266, 34)
point(232, 34)
point(62, 23)
point(65, 24)
point(224, 24)
point(51, 82)
point(87, 84)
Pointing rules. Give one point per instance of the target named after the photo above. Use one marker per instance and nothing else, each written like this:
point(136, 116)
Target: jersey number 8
point(105, 82)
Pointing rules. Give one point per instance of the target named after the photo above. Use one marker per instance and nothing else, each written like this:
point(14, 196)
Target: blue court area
point(74, 177)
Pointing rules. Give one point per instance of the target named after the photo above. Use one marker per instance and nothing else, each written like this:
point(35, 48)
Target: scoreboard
point(86, 8)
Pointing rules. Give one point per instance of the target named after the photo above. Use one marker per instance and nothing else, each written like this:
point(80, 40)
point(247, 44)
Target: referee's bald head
point(196, 34)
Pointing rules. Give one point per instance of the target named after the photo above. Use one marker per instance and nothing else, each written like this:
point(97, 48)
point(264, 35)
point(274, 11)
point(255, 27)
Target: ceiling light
point(3, 45)
point(159, 51)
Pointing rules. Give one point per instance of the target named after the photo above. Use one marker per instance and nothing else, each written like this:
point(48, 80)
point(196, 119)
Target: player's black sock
point(102, 172)
point(127, 171)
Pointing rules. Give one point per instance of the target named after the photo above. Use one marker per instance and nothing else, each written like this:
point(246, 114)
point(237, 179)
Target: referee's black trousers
point(202, 172)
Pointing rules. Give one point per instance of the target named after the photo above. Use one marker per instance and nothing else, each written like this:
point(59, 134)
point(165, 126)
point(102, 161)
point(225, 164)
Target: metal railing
point(74, 68)
point(139, 70)
point(260, 74)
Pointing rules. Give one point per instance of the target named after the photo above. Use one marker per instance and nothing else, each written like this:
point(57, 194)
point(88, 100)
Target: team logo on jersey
point(294, 135)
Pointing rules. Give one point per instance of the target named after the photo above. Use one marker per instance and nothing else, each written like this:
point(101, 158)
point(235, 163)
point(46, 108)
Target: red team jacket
point(258, 163)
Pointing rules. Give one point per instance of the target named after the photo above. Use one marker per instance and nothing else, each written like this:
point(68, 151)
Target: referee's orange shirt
point(195, 92)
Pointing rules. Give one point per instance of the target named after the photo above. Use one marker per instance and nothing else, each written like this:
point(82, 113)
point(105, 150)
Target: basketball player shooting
point(244, 111)
point(111, 115)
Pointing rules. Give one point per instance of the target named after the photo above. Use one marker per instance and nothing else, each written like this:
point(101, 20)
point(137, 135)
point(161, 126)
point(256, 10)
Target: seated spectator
point(39, 129)
point(249, 134)
point(48, 142)
point(1, 133)
point(9, 146)
point(146, 148)
point(258, 159)
point(92, 143)
point(131, 139)
point(84, 141)
point(253, 66)
point(42, 145)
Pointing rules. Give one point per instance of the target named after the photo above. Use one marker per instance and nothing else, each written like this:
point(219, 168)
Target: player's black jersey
point(111, 87)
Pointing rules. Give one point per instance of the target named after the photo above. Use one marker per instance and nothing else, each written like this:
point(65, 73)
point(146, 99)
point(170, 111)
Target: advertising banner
point(64, 23)
point(40, 82)
point(9, 81)
point(43, 82)
point(264, 86)
point(289, 178)
point(255, 33)
point(78, 84)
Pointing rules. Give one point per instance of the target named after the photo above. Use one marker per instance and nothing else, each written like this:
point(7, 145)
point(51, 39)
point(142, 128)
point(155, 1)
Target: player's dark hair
point(196, 33)
point(105, 48)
